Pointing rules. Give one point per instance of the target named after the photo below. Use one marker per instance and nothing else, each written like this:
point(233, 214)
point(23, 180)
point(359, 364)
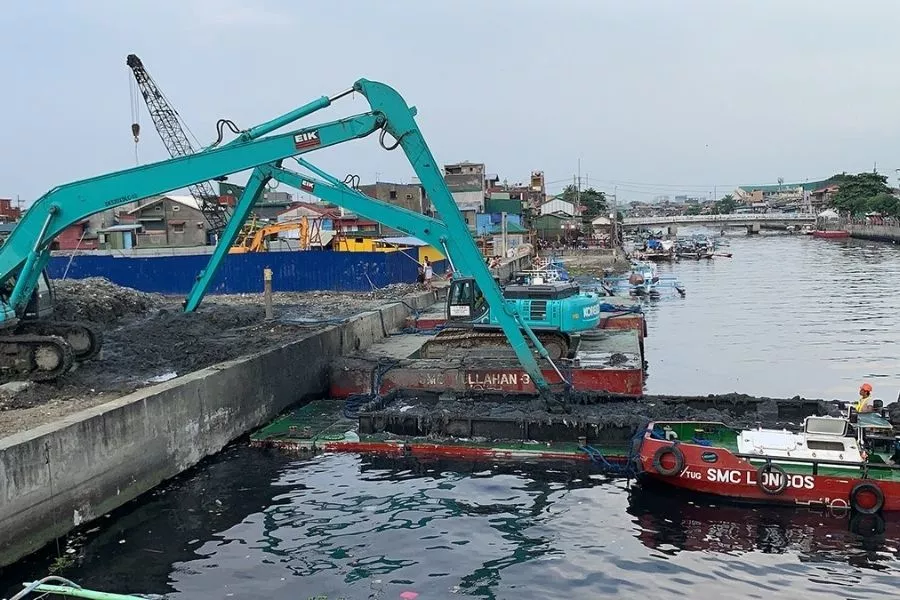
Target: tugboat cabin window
point(826, 426)
point(823, 445)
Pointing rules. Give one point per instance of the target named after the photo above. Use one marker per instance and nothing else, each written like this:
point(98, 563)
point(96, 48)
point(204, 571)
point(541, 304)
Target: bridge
point(733, 219)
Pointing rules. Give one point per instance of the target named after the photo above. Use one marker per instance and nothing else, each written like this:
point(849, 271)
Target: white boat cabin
point(831, 439)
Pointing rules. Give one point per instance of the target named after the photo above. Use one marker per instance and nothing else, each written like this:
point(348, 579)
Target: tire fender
point(770, 469)
point(676, 453)
point(864, 487)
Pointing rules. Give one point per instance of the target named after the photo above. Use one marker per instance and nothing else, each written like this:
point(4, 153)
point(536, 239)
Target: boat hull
point(831, 233)
point(718, 472)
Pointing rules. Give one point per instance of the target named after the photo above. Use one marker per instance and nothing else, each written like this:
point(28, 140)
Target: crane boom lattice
point(168, 125)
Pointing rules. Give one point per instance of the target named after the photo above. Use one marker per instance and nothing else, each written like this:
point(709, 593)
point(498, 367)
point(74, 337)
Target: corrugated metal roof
point(785, 187)
point(126, 227)
point(403, 241)
point(188, 201)
point(511, 227)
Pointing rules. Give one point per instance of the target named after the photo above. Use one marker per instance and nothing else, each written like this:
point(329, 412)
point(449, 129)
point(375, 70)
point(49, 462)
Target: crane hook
point(136, 131)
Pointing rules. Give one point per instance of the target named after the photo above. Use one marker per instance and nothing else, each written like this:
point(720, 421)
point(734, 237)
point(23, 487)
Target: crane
point(168, 125)
point(24, 255)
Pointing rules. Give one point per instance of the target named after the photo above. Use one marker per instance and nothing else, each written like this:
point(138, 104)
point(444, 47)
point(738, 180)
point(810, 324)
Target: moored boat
point(837, 462)
point(642, 280)
point(831, 233)
point(695, 247)
point(657, 250)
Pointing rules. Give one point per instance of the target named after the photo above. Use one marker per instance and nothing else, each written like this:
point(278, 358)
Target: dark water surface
point(787, 315)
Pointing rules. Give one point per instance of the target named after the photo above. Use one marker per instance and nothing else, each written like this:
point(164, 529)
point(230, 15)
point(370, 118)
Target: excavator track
point(38, 357)
point(461, 343)
point(85, 341)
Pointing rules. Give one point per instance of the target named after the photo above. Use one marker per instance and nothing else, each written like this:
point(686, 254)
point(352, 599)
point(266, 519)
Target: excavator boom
point(27, 249)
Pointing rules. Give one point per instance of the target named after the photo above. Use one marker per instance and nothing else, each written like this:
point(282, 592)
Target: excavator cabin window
point(465, 299)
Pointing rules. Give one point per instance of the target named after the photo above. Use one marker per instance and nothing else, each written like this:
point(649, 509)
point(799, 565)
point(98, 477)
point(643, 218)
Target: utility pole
point(578, 190)
point(614, 230)
point(503, 233)
point(575, 185)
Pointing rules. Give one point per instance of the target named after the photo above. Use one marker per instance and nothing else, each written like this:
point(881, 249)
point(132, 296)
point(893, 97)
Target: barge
point(602, 431)
point(609, 359)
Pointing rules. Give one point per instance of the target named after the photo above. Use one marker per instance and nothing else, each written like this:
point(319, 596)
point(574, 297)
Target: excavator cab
point(465, 301)
point(556, 312)
point(40, 306)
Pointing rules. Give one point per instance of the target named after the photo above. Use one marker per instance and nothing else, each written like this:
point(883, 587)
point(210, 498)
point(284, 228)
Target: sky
point(650, 97)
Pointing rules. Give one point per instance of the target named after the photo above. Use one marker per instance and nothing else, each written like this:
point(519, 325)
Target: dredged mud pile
point(434, 414)
point(147, 338)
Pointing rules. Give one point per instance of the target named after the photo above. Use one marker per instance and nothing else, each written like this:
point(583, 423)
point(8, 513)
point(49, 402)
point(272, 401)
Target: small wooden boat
point(836, 462)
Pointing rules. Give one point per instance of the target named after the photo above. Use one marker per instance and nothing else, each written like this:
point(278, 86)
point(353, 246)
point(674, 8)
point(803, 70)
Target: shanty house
point(170, 221)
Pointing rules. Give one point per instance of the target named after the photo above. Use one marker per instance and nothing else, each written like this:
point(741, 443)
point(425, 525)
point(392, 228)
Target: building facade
point(557, 206)
point(266, 208)
point(9, 211)
point(466, 182)
point(170, 221)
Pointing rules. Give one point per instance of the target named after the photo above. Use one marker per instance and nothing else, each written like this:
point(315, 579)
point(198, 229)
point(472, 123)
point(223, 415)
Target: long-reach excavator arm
point(27, 249)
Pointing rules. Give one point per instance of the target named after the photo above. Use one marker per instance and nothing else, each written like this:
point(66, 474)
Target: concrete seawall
point(509, 266)
point(57, 477)
point(878, 233)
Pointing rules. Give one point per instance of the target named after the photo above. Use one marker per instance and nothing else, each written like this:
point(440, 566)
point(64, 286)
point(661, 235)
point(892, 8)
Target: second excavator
point(558, 312)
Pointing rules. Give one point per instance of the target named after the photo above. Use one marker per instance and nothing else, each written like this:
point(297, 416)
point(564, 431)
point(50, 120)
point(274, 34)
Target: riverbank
point(876, 233)
point(594, 262)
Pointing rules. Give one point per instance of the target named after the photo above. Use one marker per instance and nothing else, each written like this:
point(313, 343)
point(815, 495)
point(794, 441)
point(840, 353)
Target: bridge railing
point(732, 218)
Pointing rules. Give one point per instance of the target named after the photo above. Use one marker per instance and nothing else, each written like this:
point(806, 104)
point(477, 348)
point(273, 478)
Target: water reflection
point(672, 522)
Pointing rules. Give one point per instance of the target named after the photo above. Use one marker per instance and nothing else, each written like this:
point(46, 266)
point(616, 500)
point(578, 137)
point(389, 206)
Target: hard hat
point(865, 388)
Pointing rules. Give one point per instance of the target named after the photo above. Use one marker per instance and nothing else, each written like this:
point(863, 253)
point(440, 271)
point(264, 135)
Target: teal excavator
point(40, 348)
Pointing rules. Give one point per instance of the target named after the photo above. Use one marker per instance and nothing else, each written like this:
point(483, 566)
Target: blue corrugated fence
point(243, 273)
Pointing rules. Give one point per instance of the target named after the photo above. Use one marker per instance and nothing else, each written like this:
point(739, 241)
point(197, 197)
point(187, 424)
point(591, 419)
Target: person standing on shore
point(429, 273)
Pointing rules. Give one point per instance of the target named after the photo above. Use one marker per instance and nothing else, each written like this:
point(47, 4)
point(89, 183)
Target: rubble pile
point(98, 300)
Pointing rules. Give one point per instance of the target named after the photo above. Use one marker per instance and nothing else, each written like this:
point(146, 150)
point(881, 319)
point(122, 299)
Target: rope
point(630, 468)
point(412, 309)
point(355, 402)
point(419, 331)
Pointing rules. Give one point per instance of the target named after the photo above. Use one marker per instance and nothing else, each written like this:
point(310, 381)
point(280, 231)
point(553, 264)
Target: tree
point(692, 210)
point(726, 205)
point(593, 202)
point(886, 204)
point(859, 194)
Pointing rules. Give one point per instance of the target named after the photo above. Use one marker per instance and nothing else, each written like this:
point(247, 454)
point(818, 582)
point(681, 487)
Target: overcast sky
point(659, 97)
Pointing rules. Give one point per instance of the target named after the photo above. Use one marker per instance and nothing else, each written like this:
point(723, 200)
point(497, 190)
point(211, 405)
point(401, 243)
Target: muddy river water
point(787, 315)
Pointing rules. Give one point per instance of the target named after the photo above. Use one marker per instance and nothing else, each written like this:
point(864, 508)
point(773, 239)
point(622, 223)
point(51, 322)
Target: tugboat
point(850, 461)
